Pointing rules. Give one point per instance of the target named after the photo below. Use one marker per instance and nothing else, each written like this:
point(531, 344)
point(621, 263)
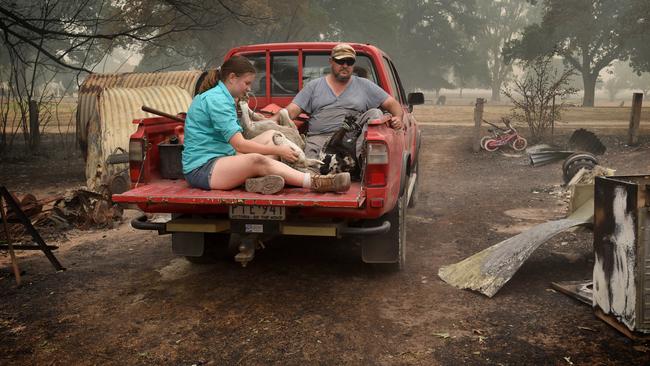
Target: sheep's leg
point(246, 122)
point(257, 116)
point(278, 138)
point(285, 120)
point(313, 162)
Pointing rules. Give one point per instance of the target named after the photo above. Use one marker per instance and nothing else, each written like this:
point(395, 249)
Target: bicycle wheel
point(519, 143)
point(491, 145)
point(483, 140)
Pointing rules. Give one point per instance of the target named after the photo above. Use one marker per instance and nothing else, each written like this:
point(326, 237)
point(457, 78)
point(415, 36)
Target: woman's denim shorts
point(200, 177)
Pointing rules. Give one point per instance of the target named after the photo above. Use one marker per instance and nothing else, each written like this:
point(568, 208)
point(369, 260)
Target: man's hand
point(393, 107)
point(396, 122)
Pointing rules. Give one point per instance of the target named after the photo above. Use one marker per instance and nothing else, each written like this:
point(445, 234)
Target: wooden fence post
point(478, 117)
point(635, 119)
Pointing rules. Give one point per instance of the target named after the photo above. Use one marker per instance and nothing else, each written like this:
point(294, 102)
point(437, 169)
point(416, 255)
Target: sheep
point(255, 123)
point(303, 163)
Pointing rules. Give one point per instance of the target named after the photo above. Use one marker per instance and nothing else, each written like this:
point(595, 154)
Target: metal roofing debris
point(583, 140)
point(117, 108)
point(546, 157)
point(488, 270)
point(94, 84)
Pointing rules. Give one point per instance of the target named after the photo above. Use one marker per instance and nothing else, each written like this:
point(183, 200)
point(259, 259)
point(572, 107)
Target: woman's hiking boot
point(331, 183)
point(269, 184)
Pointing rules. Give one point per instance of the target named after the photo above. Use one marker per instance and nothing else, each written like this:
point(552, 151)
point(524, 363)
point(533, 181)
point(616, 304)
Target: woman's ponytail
point(239, 65)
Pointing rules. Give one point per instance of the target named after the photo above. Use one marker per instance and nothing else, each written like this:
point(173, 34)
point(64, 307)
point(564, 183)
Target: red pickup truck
point(204, 223)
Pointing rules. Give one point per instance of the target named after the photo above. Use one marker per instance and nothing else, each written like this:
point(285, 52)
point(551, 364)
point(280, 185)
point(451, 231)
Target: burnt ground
point(125, 299)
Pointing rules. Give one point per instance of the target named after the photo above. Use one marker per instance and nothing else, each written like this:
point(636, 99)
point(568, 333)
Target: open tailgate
point(178, 192)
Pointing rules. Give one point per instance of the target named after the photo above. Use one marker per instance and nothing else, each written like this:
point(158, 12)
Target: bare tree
point(537, 95)
point(67, 32)
point(39, 38)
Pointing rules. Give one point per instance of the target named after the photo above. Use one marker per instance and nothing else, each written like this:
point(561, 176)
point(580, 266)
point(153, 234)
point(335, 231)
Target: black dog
point(340, 152)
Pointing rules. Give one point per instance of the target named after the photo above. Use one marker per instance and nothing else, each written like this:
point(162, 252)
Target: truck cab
point(204, 221)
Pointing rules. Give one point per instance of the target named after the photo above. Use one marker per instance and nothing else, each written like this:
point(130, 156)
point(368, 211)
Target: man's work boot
point(269, 184)
point(331, 183)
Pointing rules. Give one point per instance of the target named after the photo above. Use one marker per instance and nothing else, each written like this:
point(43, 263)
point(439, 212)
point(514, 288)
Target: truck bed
point(178, 192)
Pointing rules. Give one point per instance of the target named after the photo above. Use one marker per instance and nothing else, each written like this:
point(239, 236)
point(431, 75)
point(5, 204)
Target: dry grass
point(55, 118)
point(573, 116)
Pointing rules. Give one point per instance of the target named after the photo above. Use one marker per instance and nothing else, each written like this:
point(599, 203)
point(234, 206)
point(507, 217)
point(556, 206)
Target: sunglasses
point(345, 61)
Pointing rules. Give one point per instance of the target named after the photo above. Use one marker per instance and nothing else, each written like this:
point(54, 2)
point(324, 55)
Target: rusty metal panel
point(622, 250)
point(117, 108)
point(95, 83)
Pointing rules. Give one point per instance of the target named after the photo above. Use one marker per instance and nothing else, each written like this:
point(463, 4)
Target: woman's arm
point(248, 146)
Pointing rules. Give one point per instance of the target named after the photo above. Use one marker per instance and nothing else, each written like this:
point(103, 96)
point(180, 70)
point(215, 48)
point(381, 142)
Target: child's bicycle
point(501, 137)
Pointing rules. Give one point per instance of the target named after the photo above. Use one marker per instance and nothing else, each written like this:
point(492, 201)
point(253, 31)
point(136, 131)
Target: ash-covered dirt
point(125, 299)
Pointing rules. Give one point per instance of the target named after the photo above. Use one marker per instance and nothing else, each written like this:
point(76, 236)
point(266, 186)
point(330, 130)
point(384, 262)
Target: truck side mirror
point(415, 99)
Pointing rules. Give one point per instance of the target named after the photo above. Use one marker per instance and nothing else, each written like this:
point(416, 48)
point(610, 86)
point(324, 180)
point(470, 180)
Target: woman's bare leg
point(232, 171)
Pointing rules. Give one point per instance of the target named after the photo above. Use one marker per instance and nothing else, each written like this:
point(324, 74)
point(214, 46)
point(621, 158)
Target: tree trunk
point(496, 92)
point(589, 82)
point(34, 126)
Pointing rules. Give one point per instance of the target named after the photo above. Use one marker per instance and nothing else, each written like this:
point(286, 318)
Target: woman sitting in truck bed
point(217, 156)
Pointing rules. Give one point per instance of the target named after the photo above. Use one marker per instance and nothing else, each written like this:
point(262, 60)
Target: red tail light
point(137, 154)
point(377, 164)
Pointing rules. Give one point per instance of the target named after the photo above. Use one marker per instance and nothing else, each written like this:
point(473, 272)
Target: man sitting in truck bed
point(331, 98)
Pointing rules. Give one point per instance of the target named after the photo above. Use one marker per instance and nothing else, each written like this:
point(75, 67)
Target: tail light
point(377, 164)
point(137, 154)
point(136, 150)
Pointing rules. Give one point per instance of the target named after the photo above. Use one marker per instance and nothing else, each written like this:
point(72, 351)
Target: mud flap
point(388, 247)
point(379, 251)
point(188, 244)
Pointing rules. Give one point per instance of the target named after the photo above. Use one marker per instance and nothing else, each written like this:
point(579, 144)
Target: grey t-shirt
point(327, 111)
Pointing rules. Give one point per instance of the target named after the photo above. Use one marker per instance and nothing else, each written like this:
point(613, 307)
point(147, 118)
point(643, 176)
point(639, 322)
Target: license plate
point(257, 212)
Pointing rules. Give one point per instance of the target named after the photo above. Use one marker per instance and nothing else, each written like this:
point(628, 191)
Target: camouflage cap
point(343, 50)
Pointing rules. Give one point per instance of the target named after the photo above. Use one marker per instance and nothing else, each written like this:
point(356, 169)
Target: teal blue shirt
point(210, 123)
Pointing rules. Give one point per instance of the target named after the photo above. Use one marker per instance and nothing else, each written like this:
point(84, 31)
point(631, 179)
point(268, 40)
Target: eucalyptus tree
point(501, 22)
point(637, 18)
point(588, 34)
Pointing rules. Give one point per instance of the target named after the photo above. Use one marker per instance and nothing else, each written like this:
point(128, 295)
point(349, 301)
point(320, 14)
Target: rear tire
point(491, 145)
point(575, 162)
point(484, 140)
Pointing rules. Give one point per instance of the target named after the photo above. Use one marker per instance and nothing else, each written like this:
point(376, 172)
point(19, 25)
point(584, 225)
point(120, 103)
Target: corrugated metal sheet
point(117, 108)
point(95, 83)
